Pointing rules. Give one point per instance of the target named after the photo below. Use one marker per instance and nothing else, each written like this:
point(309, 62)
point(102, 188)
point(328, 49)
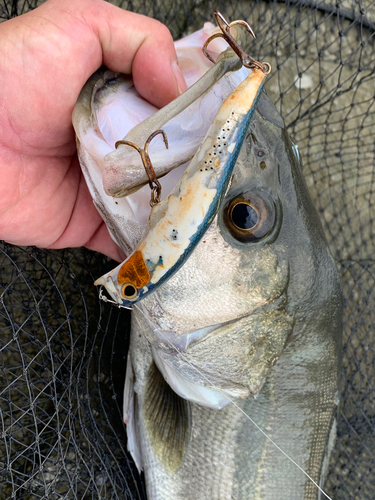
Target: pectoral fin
point(130, 416)
point(167, 419)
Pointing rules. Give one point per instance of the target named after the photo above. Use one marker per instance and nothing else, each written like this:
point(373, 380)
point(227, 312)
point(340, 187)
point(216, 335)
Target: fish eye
point(129, 291)
point(250, 216)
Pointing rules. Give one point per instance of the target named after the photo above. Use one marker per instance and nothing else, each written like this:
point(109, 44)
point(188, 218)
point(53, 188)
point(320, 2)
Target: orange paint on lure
point(133, 274)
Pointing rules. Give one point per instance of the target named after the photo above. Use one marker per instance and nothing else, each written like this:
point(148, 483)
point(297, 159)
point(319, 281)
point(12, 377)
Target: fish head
point(221, 322)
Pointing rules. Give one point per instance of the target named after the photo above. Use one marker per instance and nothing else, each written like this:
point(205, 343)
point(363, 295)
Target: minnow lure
point(177, 223)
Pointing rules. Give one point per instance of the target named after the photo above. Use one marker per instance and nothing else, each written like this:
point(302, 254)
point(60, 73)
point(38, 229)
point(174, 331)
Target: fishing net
point(63, 353)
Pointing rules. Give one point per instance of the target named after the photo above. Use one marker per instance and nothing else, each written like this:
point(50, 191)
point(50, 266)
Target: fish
point(250, 326)
point(232, 380)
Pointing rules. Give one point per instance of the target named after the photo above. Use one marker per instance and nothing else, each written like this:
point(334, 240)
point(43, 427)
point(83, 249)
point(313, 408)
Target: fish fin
point(168, 420)
point(129, 412)
point(268, 110)
point(191, 391)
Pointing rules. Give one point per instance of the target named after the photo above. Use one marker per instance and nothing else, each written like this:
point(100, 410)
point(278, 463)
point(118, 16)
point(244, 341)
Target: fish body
point(237, 356)
point(179, 221)
point(252, 321)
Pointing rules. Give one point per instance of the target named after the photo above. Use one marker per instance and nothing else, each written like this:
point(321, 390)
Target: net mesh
point(63, 353)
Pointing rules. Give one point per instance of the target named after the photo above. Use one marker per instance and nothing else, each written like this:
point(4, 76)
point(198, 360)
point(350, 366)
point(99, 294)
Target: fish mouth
point(119, 182)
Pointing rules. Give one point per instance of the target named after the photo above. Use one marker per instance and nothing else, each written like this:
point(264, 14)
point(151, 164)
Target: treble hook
point(153, 182)
point(247, 61)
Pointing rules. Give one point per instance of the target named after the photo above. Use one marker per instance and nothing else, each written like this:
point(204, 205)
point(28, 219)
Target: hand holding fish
point(47, 56)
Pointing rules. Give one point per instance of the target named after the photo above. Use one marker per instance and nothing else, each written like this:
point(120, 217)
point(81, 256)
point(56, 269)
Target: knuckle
point(163, 31)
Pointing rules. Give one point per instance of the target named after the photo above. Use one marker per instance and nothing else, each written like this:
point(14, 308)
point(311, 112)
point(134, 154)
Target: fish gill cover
point(63, 354)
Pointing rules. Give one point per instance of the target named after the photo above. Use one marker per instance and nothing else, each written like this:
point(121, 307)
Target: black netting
point(61, 374)
point(63, 354)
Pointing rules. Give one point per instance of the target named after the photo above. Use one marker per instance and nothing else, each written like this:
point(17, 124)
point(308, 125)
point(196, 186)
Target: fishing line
point(233, 402)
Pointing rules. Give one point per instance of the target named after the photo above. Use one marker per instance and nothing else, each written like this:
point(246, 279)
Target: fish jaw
point(178, 223)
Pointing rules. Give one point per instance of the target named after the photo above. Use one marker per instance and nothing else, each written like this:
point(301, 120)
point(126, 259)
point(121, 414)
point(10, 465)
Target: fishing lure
point(177, 223)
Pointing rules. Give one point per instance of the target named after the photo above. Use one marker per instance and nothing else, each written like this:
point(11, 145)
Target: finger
point(102, 242)
point(79, 223)
point(136, 44)
point(133, 44)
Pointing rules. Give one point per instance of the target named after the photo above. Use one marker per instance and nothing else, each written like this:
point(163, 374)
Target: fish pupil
point(244, 216)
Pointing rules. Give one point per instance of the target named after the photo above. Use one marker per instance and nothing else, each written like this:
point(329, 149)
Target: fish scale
point(227, 458)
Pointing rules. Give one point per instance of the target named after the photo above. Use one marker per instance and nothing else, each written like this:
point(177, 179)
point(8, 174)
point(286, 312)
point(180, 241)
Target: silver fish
point(248, 330)
point(232, 380)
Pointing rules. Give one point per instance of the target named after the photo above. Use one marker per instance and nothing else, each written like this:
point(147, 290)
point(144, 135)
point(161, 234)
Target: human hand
point(46, 57)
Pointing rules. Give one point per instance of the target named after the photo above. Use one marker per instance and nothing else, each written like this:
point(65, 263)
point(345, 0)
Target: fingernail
point(180, 80)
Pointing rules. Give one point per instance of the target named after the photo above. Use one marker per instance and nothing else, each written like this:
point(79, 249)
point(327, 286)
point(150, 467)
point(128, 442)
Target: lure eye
point(251, 216)
point(129, 291)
